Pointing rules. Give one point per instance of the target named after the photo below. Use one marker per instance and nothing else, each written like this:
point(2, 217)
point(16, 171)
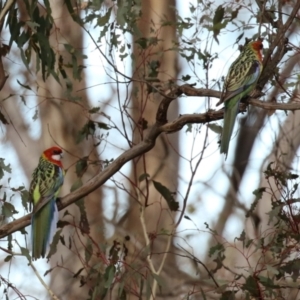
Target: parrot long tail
point(229, 120)
point(43, 228)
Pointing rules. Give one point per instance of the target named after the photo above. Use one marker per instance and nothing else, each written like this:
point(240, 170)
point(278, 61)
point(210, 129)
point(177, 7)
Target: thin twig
point(52, 295)
point(194, 258)
point(148, 243)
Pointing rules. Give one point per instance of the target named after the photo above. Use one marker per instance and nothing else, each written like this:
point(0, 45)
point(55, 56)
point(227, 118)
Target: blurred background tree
point(151, 210)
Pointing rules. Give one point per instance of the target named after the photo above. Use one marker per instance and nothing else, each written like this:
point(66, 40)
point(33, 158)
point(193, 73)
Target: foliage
point(263, 264)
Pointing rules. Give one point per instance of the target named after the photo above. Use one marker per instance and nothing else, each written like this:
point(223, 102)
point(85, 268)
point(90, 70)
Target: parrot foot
point(58, 202)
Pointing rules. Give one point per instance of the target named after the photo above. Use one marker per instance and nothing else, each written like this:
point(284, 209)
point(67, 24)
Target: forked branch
point(161, 126)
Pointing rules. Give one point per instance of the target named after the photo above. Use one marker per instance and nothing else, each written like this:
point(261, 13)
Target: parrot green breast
point(47, 179)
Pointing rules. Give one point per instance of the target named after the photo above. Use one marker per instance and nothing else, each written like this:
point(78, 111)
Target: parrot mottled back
point(47, 180)
point(240, 81)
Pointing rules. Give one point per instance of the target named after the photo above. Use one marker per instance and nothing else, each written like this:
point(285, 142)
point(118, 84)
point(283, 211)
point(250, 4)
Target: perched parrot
point(47, 180)
point(240, 81)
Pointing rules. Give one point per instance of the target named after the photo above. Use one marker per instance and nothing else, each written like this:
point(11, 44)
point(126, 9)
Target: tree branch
point(149, 142)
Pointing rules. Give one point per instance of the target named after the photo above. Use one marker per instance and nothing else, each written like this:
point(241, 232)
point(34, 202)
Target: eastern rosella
point(47, 180)
point(240, 81)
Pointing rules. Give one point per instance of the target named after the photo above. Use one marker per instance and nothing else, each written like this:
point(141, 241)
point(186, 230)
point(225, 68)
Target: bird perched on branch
point(240, 81)
point(47, 180)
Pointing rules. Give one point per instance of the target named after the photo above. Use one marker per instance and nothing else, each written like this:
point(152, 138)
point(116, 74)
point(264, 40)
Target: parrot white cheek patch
point(56, 156)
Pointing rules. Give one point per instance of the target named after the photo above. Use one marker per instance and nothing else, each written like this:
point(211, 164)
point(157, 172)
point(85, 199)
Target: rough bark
point(161, 163)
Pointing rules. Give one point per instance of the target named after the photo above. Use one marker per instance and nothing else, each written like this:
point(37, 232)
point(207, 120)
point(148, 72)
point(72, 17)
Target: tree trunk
point(161, 163)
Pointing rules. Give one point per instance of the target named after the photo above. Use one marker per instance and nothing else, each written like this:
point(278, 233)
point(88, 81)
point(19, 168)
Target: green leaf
point(192, 8)
point(165, 192)
point(75, 16)
point(228, 295)
point(215, 128)
point(23, 99)
point(217, 21)
point(9, 242)
point(215, 250)
point(78, 272)
point(109, 276)
point(48, 271)
point(25, 199)
point(144, 177)
point(62, 240)
point(258, 195)
point(88, 251)
point(25, 252)
point(8, 258)
point(105, 19)
point(53, 246)
point(234, 13)
point(3, 120)
point(219, 15)
point(242, 237)
point(83, 222)
point(122, 292)
point(94, 110)
point(35, 116)
point(142, 42)
point(24, 60)
point(81, 166)
point(62, 224)
point(103, 126)
point(148, 287)
point(211, 230)
point(4, 168)
point(189, 128)
point(18, 189)
point(48, 7)
point(88, 129)
point(292, 268)
point(267, 282)
point(239, 38)
point(292, 176)
point(14, 25)
point(8, 210)
point(186, 77)
point(159, 280)
point(22, 40)
point(251, 286)
point(76, 185)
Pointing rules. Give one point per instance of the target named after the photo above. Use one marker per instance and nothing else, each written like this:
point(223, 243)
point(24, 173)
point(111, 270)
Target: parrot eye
point(57, 151)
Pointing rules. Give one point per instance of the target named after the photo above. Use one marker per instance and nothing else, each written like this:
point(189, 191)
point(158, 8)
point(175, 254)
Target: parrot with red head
point(240, 82)
point(47, 179)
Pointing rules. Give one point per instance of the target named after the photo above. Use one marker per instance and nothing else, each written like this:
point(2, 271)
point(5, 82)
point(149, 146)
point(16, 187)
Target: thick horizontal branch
point(148, 143)
point(92, 184)
point(189, 90)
